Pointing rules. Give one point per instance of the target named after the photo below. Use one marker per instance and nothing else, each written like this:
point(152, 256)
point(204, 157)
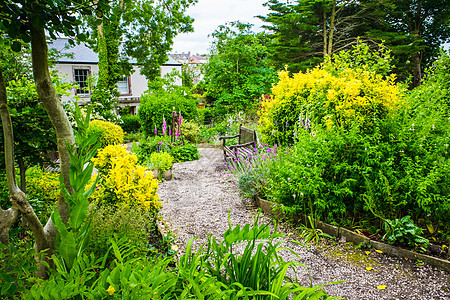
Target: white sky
point(209, 14)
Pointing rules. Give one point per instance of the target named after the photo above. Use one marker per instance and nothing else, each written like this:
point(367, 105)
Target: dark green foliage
point(17, 270)
point(33, 131)
point(404, 231)
point(160, 103)
point(186, 152)
point(130, 123)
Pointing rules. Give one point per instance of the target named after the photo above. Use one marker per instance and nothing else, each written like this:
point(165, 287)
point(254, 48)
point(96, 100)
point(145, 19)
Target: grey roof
point(81, 54)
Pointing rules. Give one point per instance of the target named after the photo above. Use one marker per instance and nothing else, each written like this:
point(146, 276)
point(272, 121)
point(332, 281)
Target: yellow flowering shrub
point(110, 133)
point(334, 99)
point(42, 185)
point(122, 182)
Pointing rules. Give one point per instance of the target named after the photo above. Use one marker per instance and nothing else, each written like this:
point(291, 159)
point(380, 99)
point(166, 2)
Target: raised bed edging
point(274, 210)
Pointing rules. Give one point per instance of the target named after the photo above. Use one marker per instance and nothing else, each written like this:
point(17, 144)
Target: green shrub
point(154, 106)
point(149, 145)
point(18, 268)
point(162, 161)
point(187, 152)
point(4, 192)
point(130, 222)
point(110, 133)
point(130, 123)
point(190, 131)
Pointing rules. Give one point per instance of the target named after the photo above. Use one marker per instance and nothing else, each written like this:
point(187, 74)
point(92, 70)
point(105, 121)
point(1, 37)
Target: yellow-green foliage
point(335, 99)
point(122, 182)
point(110, 133)
point(42, 185)
point(162, 161)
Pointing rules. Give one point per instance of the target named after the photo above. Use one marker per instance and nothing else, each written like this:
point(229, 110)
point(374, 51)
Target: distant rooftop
point(81, 54)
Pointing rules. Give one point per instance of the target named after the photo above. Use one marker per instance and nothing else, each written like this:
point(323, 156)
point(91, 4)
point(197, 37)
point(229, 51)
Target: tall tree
point(304, 32)
point(142, 30)
point(414, 30)
point(29, 21)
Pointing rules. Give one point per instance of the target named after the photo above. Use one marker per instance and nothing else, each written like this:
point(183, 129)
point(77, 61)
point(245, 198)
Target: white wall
point(167, 69)
point(138, 81)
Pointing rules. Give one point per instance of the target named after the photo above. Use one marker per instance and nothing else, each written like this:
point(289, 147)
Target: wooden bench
point(246, 144)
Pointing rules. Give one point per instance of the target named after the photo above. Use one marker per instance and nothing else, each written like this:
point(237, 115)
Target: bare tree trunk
point(332, 25)
point(7, 217)
point(324, 34)
point(22, 171)
point(417, 70)
point(64, 133)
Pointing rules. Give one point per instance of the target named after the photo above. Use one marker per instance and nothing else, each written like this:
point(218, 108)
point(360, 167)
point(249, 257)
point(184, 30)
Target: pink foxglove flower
point(156, 130)
point(164, 128)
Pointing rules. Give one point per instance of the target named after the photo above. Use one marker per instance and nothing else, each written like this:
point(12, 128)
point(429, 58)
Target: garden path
point(197, 201)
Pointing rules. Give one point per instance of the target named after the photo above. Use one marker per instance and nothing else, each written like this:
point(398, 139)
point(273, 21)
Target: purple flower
point(156, 130)
point(170, 131)
point(179, 119)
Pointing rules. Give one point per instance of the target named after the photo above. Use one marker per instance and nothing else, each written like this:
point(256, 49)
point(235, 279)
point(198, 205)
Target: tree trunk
point(332, 24)
point(417, 70)
point(324, 34)
point(23, 177)
point(7, 217)
point(64, 133)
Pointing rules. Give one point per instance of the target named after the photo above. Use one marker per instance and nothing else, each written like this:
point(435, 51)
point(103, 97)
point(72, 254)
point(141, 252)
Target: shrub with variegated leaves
point(123, 182)
point(334, 94)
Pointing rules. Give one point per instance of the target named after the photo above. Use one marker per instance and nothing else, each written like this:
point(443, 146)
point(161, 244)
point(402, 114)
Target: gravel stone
point(198, 201)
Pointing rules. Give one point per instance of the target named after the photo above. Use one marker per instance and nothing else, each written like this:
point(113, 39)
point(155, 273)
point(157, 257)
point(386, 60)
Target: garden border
point(274, 210)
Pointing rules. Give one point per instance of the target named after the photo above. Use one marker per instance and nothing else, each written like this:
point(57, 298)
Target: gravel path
point(196, 203)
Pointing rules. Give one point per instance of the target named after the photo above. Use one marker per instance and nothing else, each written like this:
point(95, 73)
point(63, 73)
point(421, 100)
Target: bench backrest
point(246, 135)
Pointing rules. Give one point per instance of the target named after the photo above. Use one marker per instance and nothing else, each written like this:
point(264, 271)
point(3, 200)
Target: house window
point(81, 76)
point(123, 85)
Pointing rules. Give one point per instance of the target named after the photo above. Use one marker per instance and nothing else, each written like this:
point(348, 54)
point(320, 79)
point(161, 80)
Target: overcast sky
point(209, 14)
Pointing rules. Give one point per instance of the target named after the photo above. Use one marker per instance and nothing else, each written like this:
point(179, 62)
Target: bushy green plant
point(133, 224)
point(183, 153)
point(17, 270)
point(190, 131)
point(130, 123)
point(162, 161)
point(158, 104)
point(149, 145)
point(404, 231)
point(109, 133)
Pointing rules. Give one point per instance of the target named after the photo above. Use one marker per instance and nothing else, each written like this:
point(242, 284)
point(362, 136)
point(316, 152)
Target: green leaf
point(78, 214)
point(67, 249)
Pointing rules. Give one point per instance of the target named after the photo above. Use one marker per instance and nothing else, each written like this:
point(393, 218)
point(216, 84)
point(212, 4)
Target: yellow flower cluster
point(333, 99)
point(122, 182)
